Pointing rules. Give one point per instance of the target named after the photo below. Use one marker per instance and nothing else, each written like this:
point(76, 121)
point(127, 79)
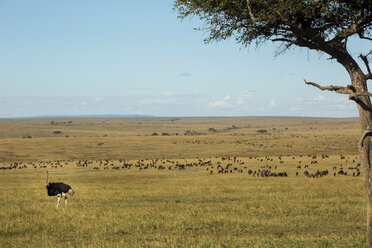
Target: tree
point(323, 26)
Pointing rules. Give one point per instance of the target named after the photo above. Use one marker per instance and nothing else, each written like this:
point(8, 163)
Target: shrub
point(262, 131)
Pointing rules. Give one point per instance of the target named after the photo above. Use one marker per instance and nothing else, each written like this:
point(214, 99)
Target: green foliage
point(304, 23)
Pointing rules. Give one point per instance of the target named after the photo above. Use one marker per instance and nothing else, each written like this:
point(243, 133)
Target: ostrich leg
point(59, 199)
point(65, 198)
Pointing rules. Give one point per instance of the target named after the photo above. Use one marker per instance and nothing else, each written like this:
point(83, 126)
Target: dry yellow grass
point(148, 207)
point(130, 138)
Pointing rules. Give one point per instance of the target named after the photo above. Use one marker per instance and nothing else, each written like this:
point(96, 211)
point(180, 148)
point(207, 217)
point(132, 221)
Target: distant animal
point(58, 189)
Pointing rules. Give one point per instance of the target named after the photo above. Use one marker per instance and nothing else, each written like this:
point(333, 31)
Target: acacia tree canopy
point(313, 24)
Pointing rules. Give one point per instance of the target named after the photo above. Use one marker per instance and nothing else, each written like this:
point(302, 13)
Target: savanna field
point(182, 182)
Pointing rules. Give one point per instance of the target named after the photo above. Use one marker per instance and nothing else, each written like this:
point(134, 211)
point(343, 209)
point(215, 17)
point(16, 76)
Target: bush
point(262, 131)
point(193, 132)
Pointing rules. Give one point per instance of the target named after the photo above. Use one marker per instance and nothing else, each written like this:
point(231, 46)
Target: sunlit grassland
point(183, 208)
point(188, 209)
point(131, 138)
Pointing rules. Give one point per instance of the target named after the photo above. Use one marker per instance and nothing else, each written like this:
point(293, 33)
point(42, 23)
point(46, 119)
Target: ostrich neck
point(46, 179)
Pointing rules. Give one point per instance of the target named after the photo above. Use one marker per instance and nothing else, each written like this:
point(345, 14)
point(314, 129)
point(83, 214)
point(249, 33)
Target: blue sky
point(85, 57)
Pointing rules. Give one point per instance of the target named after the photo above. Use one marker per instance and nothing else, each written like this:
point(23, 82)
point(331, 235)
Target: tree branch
point(353, 28)
point(251, 15)
point(366, 62)
point(345, 33)
point(282, 39)
point(364, 135)
point(363, 37)
point(338, 89)
point(349, 90)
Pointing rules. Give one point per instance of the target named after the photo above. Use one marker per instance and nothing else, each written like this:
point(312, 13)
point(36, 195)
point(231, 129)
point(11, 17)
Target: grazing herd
point(252, 166)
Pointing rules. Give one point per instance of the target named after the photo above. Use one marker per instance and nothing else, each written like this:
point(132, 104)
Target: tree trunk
point(365, 115)
point(359, 84)
point(369, 221)
point(365, 161)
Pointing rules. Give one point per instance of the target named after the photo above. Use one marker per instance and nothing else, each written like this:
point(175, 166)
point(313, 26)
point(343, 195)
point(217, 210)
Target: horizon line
point(154, 116)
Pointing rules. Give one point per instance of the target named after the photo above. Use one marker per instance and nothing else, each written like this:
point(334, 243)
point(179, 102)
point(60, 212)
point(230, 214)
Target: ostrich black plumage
point(58, 189)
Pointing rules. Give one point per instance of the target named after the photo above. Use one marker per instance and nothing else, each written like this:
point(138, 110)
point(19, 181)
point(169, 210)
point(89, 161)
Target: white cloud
point(244, 97)
point(182, 95)
point(243, 103)
point(328, 105)
point(344, 100)
point(294, 109)
point(272, 104)
point(237, 101)
point(221, 104)
point(319, 98)
point(98, 99)
point(160, 101)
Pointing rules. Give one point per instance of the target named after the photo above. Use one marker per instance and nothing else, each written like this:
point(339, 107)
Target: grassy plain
point(189, 207)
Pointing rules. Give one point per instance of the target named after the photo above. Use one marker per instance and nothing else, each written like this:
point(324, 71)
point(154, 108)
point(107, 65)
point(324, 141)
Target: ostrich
point(58, 189)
